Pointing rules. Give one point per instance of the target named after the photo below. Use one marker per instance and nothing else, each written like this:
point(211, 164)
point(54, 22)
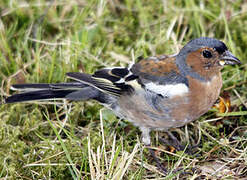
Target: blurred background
point(42, 40)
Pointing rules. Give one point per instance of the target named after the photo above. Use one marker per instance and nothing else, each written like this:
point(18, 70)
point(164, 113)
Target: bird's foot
point(177, 145)
point(160, 166)
point(163, 169)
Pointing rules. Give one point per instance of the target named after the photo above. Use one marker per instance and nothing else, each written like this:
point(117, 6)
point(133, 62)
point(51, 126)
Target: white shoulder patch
point(168, 90)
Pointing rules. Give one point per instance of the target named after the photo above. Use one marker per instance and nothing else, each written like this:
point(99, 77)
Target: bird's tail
point(70, 91)
point(104, 85)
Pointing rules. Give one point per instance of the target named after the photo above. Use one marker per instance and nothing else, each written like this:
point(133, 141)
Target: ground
point(42, 40)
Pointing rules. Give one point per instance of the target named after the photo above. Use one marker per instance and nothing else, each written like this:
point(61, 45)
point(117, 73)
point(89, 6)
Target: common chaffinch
point(156, 93)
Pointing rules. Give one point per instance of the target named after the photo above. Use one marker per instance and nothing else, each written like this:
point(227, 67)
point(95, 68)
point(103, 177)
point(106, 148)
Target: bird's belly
point(169, 112)
point(151, 113)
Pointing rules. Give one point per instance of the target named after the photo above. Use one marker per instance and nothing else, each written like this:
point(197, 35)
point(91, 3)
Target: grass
point(42, 40)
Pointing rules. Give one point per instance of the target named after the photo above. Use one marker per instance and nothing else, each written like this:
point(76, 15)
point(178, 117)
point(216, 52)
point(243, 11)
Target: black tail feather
point(43, 86)
point(83, 87)
point(38, 95)
point(30, 86)
point(70, 91)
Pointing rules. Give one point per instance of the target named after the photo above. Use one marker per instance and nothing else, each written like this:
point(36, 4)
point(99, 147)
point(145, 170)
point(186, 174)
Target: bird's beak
point(227, 58)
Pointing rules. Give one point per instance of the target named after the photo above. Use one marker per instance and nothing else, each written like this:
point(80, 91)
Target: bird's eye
point(207, 54)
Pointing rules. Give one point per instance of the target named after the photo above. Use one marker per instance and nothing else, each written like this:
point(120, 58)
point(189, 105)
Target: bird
point(156, 93)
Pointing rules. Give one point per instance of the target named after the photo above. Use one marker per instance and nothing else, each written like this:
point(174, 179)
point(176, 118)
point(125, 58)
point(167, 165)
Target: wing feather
point(161, 76)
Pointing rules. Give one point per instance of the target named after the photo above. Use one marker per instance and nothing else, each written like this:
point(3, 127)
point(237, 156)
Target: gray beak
point(229, 59)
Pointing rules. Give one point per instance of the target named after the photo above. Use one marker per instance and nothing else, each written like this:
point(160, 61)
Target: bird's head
point(205, 56)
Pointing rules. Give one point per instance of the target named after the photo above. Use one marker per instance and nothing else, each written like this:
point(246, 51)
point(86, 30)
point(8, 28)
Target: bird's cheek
point(207, 65)
point(218, 64)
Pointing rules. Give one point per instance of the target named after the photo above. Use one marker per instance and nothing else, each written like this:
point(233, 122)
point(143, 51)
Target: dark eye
point(207, 54)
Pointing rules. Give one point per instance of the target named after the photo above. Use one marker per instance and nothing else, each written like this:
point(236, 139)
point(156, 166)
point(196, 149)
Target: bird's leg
point(146, 140)
point(145, 135)
point(157, 161)
point(176, 144)
point(174, 141)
